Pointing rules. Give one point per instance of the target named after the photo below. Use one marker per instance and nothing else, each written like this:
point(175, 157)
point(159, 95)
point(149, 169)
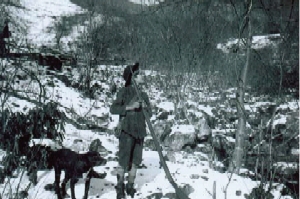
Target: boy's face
point(139, 79)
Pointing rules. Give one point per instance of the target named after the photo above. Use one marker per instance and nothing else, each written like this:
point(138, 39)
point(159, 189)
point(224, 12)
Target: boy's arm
point(118, 107)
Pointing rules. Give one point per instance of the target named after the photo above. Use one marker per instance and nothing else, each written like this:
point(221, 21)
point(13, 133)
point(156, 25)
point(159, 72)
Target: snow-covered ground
point(187, 169)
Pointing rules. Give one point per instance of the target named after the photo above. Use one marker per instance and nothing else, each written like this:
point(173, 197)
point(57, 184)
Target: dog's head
point(95, 158)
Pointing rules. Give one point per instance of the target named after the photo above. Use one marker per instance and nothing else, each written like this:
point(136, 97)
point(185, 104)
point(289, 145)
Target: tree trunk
point(241, 127)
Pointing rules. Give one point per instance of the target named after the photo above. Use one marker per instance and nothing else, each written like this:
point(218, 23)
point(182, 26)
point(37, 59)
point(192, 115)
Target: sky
point(188, 169)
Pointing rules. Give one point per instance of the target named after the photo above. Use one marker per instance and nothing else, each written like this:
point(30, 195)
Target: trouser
point(131, 174)
point(2, 47)
point(130, 156)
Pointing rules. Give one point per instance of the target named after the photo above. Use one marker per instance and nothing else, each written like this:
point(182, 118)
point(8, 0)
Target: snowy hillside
point(191, 169)
point(38, 19)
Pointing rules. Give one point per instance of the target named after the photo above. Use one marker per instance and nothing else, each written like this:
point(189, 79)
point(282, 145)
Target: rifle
point(179, 192)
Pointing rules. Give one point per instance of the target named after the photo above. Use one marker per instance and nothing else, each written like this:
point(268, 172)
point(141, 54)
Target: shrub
point(19, 128)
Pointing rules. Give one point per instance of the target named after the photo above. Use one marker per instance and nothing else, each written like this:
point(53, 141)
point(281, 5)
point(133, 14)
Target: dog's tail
point(50, 159)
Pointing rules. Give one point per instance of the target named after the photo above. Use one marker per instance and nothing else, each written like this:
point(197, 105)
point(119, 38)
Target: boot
point(120, 191)
point(130, 190)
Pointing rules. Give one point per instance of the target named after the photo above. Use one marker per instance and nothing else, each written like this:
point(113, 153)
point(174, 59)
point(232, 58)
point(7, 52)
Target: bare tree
point(241, 83)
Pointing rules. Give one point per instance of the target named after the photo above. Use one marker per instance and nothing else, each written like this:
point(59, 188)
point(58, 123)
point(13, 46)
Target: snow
point(206, 109)
point(23, 105)
point(167, 106)
point(183, 129)
point(146, 2)
point(284, 165)
point(150, 73)
point(280, 120)
point(291, 105)
point(258, 42)
point(45, 142)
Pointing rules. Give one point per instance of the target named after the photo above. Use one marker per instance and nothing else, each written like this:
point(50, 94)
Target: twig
point(229, 180)
point(214, 190)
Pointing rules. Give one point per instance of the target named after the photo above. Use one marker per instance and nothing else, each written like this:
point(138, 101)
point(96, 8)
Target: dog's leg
point(87, 186)
point(57, 182)
point(93, 174)
point(64, 183)
point(72, 185)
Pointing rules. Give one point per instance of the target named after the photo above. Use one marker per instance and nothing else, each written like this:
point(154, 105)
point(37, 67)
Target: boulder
point(96, 145)
point(180, 136)
point(285, 131)
point(78, 145)
point(203, 129)
point(162, 115)
point(202, 123)
point(162, 129)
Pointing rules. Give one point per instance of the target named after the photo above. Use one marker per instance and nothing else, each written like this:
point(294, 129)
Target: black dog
point(74, 165)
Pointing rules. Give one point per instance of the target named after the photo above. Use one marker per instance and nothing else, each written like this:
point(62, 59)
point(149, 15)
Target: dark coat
point(134, 121)
point(5, 32)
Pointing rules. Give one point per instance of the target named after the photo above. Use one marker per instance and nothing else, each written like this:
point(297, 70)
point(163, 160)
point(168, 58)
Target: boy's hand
point(136, 105)
point(133, 106)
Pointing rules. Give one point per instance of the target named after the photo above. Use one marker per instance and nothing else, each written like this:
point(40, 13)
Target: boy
point(133, 128)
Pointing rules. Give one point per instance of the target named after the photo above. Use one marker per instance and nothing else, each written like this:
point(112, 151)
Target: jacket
point(134, 121)
point(5, 32)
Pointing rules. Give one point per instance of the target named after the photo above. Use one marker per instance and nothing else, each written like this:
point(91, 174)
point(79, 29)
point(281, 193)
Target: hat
point(127, 71)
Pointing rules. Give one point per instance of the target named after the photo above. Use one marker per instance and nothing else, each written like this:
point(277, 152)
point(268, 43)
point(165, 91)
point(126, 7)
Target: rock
point(155, 196)
point(203, 129)
point(159, 128)
point(149, 144)
point(162, 115)
point(96, 145)
point(49, 187)
point(195, 176)
point(170, 156)
point(78, 145)
point(170, 195)
point(162, 129)
point(180, 136)
point(188, 189)
point(204, 178)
